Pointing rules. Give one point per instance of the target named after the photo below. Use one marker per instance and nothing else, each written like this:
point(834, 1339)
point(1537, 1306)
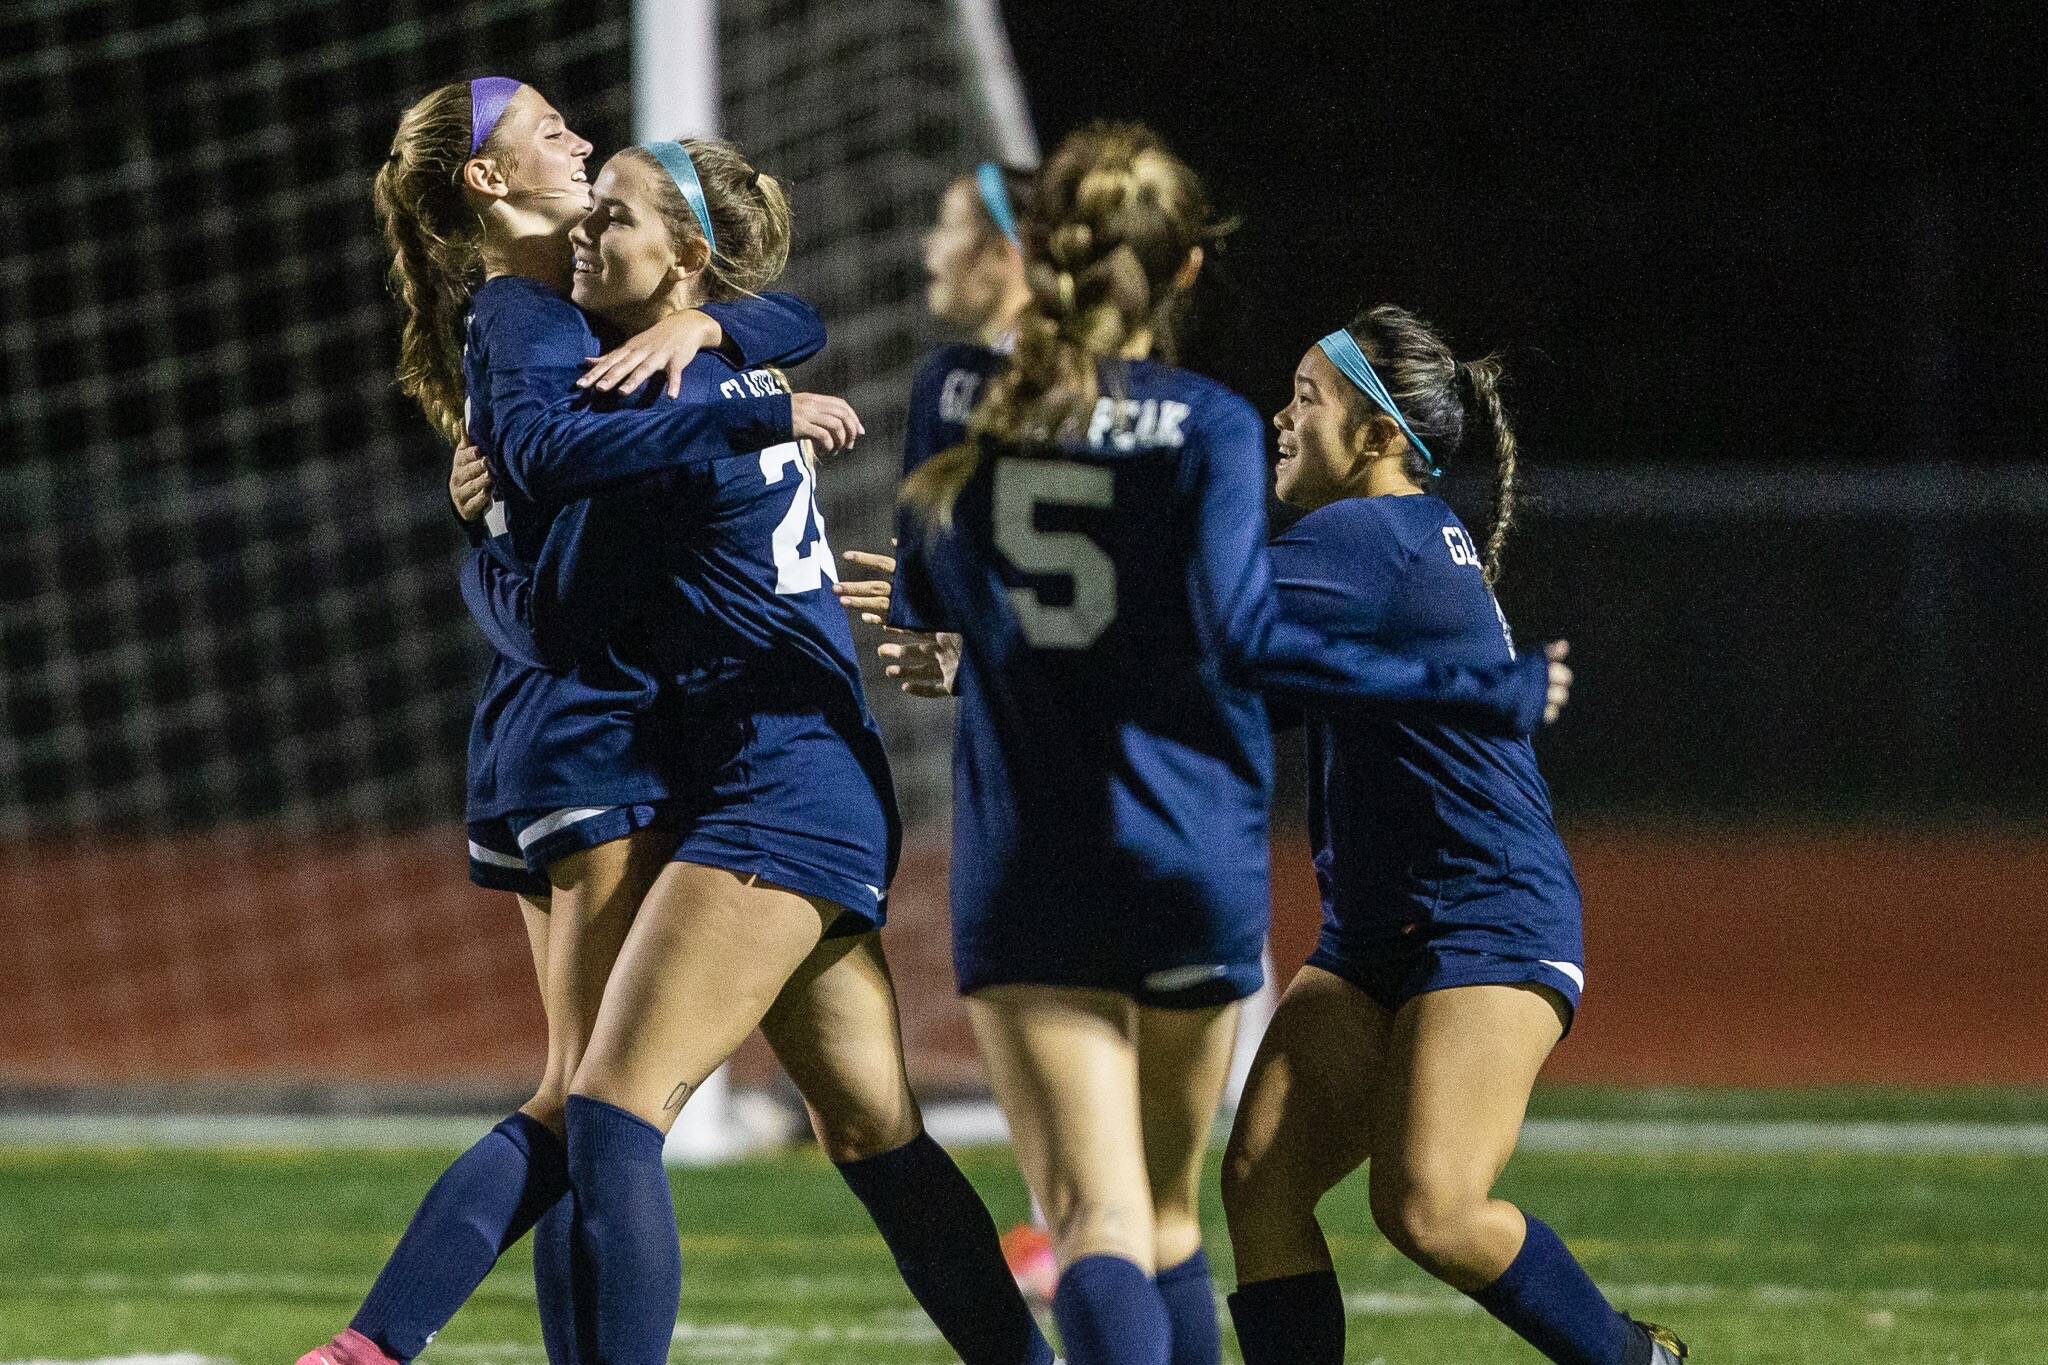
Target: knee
point(1434, 1223)
point(855, 1133)
point(1258, 1183)
point(1240, 1180)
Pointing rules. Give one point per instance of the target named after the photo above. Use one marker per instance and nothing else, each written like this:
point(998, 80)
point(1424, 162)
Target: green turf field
point(1796, 1258)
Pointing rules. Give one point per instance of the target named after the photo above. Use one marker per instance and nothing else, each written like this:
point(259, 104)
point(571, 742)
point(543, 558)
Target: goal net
point(237, 677)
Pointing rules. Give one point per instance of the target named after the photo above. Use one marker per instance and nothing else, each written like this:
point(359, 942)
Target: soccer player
point(1092, 522)
point(709, 579)
point(973, 261)
point(1450, 960)
point(484, 180)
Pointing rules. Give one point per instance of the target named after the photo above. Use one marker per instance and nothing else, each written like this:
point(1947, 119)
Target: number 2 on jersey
point(1021, 488)
point(797, 570)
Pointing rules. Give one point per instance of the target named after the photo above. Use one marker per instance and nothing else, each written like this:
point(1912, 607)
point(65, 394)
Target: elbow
point(522, 454)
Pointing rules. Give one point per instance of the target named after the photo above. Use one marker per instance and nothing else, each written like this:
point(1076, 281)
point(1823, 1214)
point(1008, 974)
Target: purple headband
point(488, 96)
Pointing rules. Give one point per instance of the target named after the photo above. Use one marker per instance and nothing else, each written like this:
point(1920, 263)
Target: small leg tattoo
point(677, 1096)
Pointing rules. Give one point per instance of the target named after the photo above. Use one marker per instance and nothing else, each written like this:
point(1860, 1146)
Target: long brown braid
point(436, 243)
point(1113, 219)
point(1443, 399)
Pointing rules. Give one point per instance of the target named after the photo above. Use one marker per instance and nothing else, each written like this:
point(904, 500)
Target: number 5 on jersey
point(796, 569)
point(1021, 488)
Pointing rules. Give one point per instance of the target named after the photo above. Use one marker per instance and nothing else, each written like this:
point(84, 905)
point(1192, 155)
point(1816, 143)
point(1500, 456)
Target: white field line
point(1778, 1135)
point(973, 1124)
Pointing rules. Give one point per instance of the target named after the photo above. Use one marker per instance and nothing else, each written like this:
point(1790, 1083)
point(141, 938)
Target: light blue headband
point(1346, 356)
point(676, 161)
point(995, 197)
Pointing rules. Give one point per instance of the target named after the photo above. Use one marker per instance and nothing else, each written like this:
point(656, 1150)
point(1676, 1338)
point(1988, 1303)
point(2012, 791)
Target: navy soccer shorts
point(1396, 970)
point(798, 800)
point(513, 852)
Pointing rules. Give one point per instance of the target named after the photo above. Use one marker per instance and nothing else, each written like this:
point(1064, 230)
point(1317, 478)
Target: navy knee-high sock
point(482, 1204)
point(1110, 1313)
point(947, 1251)
point(626, 1264)
point(1549, 1301)
point(1292, 1320)
point(553, 1282)
point(1190, 1300)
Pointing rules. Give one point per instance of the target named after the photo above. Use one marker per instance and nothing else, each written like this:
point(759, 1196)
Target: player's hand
point(669, 345)
point(827, 422)
point(469, 483)
point(923, 665)
point(868, 596)
point(1560, 679)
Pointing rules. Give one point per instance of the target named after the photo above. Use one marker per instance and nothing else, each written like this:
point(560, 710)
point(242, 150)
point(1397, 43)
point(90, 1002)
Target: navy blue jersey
point(1419, 826)
point(715, 581)
point(1113, 766)
point(546, 736)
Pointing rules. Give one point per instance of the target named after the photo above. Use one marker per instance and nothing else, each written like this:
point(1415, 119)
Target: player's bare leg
point(1064, 1066)
point(1303, 1124)
point(836, 1031)
point(705, 957)
point(597, 891)
point(1183, 1065)
point(702, 962)
point(1063, 1062)
point(1460, 1066)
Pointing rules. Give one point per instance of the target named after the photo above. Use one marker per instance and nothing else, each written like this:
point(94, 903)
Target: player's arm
point(1338, 570)
point(500, 601)
point(554, 445)
point(922, 663)
point(918, 651)
point(1236, 609)
point(914, 603)
point(560, 450)
point(766, 329)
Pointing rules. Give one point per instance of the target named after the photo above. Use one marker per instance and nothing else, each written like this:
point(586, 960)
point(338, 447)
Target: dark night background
point(1700, 232)
point(1749, 240)
point(1767, 280)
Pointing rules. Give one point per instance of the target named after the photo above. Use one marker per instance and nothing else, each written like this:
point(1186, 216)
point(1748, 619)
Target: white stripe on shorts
point(493, 857)
point(560, 820)
point(1564, 968)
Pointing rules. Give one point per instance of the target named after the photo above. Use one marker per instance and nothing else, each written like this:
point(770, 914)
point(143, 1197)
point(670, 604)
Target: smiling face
point(540, 161)
point(1321, 450)
point(971, 270)
point(626, 265)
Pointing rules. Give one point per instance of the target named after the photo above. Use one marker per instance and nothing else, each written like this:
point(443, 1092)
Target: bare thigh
point(702, 963)
point(596, 893)
point(1064, 1065)
point(835, 1030)
point(1460, 1067)
point(1183, 1065)
point(1303, 1124)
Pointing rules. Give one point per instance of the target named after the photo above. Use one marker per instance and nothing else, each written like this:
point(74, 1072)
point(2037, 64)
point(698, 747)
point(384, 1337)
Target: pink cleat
point(350, 1347)
point(1027, 1250)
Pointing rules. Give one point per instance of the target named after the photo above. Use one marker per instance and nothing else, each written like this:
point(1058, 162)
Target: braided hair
point(1113, 219)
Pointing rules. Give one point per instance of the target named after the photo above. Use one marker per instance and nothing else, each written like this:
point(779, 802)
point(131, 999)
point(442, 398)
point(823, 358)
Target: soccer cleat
point(1027, 1251)
point(349, 1347)
point(1650, 1344)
